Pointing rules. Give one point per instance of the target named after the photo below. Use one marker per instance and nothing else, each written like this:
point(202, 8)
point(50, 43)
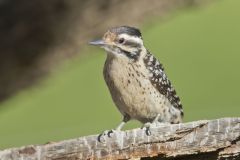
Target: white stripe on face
point(131, 38)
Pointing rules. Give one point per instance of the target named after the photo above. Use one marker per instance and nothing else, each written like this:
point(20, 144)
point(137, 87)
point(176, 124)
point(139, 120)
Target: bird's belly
point(134, 95)
point(141, 102)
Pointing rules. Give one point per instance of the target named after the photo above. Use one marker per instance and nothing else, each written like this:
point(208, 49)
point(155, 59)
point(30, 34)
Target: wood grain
point(205, 139)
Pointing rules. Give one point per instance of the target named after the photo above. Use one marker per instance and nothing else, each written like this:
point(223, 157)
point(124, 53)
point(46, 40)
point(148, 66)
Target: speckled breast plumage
point(141, 90)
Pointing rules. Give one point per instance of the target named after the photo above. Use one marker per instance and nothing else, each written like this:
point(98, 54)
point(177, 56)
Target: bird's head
point(120, 41)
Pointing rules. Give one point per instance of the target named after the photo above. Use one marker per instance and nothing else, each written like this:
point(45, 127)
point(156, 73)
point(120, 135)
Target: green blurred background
point(199, 48)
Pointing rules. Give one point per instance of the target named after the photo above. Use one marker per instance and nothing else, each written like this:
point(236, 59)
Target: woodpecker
point(136, 79)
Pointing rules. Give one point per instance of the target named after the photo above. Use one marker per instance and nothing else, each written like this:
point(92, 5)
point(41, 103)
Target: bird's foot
point(107, 134)
point(148, 126)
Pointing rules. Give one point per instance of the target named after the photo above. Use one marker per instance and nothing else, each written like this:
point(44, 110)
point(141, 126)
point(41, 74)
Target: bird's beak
point(99, 42)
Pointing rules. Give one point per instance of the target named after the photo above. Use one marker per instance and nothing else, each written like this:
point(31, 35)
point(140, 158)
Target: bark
point(199, 140)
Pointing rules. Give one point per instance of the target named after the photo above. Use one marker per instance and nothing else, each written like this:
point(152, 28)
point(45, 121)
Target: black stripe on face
point(130, 55)
point(132, 44)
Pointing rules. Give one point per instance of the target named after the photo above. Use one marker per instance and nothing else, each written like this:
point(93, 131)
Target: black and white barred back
point(159, 79)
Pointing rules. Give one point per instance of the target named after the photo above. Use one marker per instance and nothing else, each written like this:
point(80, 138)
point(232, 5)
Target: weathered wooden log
point(205, 139)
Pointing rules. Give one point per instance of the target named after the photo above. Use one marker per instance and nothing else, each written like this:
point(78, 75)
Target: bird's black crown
point(128, 30)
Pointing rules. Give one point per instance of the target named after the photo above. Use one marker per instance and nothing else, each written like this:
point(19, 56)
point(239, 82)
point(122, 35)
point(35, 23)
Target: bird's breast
point(131, 89)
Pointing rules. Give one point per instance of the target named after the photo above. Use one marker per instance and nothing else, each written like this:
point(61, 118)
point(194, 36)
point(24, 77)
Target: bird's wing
point(159, 79)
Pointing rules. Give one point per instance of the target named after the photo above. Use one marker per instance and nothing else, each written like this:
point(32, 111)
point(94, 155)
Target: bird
point(136, 79)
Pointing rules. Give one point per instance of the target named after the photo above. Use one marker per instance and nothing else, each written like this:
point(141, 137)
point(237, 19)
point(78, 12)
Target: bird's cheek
point(109, 49)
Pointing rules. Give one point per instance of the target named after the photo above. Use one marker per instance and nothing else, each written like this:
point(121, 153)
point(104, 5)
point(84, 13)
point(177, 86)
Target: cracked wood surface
point(205, 139)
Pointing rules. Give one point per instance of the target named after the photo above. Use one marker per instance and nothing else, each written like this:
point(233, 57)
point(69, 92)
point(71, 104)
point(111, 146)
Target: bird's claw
point(147, 127)
point(106, 134)
point(147, 131)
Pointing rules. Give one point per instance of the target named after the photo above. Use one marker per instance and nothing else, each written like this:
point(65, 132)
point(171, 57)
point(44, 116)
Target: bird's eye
point(121, 40)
